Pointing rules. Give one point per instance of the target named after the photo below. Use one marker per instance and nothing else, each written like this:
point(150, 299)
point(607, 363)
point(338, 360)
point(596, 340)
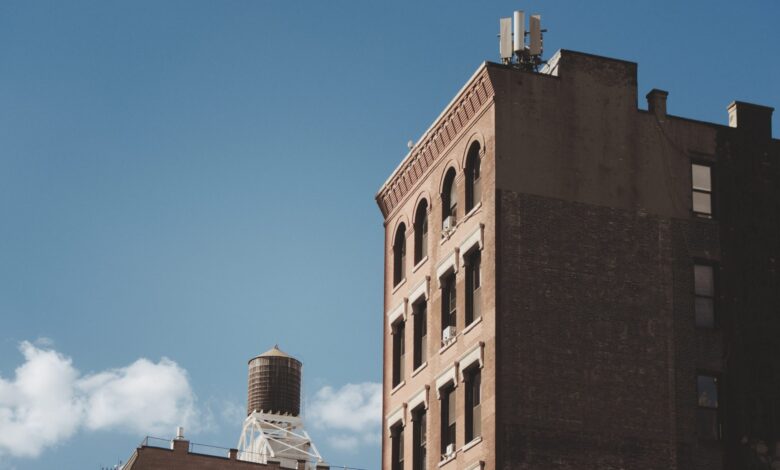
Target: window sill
point(398, 387)
point(419, 368)
point(449, 344)
point(398, 286)
point(473, 211)
point(471, 444)
point(472, 325)
point(419, 263)
point(703, 216)
point(446, 460)
point(448, 234)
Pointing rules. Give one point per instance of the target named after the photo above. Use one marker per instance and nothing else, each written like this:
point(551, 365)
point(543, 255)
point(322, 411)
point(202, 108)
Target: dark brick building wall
point(590, 248)
point(748, 182)
point(179, 457)
point(586, 336)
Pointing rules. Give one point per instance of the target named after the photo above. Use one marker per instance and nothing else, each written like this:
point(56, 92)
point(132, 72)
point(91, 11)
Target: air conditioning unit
point(449, 224)
point(448, 334)
point(450, 450)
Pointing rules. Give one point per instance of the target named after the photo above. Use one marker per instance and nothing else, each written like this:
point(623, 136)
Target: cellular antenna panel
point(505, 39)
point(535, 48)
point(519, 32)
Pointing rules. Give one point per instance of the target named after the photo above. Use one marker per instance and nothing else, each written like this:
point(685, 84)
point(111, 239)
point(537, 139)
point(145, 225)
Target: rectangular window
point(473, 282)
point(473, 401)
point(702, 190)
point(707, 413)
point(704, 294)
point(399, 352)
point(397, 451)
point(448, 413)
point(420, 332)
point(423, 238)
point(420, 438)
point(448, 295)
point(477, 185)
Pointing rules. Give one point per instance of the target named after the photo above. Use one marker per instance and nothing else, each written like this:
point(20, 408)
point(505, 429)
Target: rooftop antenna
point(505, 42)
point(512, 42)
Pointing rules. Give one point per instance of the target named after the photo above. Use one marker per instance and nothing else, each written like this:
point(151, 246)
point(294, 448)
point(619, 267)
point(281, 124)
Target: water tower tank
point(274, 383)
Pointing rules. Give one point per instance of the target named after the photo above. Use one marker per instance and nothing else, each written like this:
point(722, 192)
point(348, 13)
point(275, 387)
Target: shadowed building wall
point(629, 288)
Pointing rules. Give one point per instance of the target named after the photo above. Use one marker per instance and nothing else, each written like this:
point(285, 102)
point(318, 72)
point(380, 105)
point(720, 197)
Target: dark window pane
point(703, 280)
point(399, 350)
point(707, 387)
point(451, 409)
point(424, 239)
point(477, 422)
point(449, 196)
point(473, 281)
point(399, 255)
point(421, 232)
point(420, 436)
point(397, 448)
point(401, 448)
point(705, 315)
point(449, 301)
point(448, 414)
point(420, 332)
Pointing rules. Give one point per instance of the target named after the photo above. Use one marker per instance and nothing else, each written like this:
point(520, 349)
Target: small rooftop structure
point(273, 429)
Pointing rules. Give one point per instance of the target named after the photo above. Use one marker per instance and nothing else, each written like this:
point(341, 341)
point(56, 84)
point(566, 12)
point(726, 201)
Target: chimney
point(233, 454)
point(656, 103)
point(180, 446)
point(754, 119)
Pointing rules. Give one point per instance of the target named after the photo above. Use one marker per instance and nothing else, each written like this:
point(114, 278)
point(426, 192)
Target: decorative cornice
point(437, 139)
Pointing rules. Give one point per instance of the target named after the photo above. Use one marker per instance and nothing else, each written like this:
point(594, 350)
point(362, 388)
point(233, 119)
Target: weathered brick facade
point(589, 346)
point(179, 457)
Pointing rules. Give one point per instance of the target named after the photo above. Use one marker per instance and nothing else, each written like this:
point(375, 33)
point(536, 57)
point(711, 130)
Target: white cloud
point(49, 400)
point(352, 413)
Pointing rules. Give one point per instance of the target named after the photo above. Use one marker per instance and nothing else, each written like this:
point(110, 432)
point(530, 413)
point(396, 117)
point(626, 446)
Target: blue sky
point(194, 181)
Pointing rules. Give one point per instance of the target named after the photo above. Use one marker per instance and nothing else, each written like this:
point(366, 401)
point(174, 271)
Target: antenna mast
point(512, 41)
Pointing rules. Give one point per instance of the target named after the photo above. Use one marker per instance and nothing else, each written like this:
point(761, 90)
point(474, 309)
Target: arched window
point(449, 199)
point(421, 232)
point(473, 181)
point(399, 255)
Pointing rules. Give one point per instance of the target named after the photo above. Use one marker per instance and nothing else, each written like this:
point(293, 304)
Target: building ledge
point(419, 368)
point(471, 444)
point(448, 459)
point(472, 325)
point(419, 264)
point(398, 286)
point(398, 387)
point(449, 344)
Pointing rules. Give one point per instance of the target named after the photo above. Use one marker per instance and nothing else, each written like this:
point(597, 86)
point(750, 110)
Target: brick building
point(574, 282)
point(181, 454)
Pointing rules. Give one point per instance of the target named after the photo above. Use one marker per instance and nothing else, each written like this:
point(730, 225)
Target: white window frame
point(419, 398)
point(397, 416)
point(422, 290)
point(475, 239)
point(449, 264)
point(396, 314)
point(475, 355)
point(448, 376)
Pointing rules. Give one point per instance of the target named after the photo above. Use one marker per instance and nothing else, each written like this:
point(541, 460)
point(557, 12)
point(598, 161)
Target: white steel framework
point(279, 438)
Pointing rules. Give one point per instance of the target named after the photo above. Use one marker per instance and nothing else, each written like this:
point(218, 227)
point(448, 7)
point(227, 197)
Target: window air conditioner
point(448, 224)
point(448, 333)
point(450, 450)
